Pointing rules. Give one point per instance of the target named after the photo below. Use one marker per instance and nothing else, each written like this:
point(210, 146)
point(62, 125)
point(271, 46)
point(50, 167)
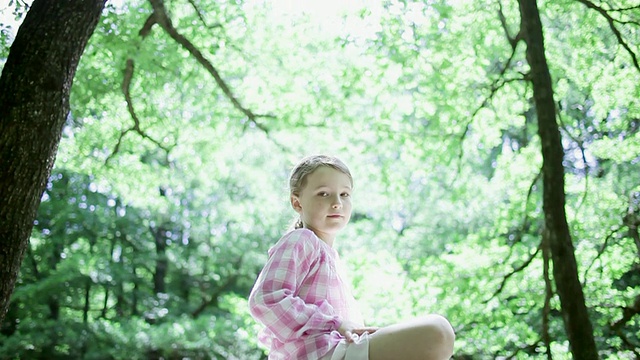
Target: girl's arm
point(272, 300)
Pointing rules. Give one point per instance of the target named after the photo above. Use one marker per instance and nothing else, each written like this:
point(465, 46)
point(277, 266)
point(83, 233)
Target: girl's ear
point(295, 204)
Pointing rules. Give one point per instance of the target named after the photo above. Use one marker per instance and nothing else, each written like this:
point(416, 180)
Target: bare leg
point(425, 338)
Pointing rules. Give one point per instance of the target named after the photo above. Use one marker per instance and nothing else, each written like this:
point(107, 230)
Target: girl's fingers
point(361, 331)
point(353, 334)
point(349, 336)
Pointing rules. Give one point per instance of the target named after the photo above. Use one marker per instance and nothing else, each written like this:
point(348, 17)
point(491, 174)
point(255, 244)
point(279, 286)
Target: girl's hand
point(351, 331)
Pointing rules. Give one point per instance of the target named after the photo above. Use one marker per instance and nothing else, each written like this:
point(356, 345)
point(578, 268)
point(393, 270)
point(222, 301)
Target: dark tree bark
point(34, 103)
point(134, 295)
point(565, 270)
point(162, 264)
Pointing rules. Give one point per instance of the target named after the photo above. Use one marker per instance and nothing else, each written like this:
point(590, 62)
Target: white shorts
point(357, 350)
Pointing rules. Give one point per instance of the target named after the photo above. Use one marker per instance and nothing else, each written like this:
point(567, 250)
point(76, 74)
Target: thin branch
point(116, 148)
point(148, 24)
point(632, 221)
point(614, 29)
point(548, 293)
point(628, 22)
point(126, 90)
point(629, 345)
point(165, 22)
point(628, 312)
point(214, 296)
point(586, 177)
point(580, 143)
point(604, 246)
point(527, 348)
point(201, 17)
point(228, 283)
point(529, 192)
point(499, 82)
point(525, 219)
point(515, 271)
point(34, 263)
point(533, 184)
point(513, 40)
point(625, 9)
point(496, 85)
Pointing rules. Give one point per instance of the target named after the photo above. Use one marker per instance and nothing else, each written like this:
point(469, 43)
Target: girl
point(301, 296)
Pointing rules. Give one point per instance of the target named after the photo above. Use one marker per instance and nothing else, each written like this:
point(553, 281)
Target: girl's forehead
point(326, 175)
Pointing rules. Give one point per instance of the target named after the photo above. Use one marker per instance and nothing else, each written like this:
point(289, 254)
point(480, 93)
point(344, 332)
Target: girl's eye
point(345, 194)
point(323, 194)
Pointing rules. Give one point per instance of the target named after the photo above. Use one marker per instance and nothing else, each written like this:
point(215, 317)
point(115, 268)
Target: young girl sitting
point(302, 298)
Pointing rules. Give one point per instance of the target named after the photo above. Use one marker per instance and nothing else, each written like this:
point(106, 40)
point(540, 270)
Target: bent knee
point(439, 333)
point(441, 324)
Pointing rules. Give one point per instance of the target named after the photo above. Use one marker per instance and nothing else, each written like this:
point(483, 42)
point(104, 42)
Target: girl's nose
point(337, 203)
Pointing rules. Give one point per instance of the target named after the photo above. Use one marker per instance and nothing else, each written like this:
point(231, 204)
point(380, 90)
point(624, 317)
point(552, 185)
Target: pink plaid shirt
point(301, 298)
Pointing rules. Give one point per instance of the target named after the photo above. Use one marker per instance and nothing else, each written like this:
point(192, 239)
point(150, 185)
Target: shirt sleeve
point(273, 299)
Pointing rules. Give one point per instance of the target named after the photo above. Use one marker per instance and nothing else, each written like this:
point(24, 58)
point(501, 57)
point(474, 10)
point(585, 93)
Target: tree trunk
point(34, 103)
point(162, 264)
point(134, 295)
point(565, 270)
point(87, 300)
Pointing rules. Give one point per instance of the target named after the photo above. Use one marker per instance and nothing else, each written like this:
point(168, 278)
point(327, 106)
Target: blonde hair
point(306, 166)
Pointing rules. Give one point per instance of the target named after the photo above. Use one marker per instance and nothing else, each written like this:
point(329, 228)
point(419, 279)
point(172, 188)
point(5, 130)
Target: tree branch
point(34, 263)
point(625, 9)
point(604, 246)
point(580, 143)
point(548, 293)
point(529, 192)
point(525, 219)
point(524, 226)
point(201, 17)
point(527, 348)
point(228, 283)
point(496, 85)
point(632, 221)
point(148, 24)
point(126, 90)
point(513, 40)
point(614, 29)
point(515, 271)
point(165, 22)
point(628, 312)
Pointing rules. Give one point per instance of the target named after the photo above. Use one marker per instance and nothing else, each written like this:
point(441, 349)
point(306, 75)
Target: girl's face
point(324, 204)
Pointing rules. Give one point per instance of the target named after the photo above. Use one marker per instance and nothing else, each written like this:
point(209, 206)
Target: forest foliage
point(170, 182)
